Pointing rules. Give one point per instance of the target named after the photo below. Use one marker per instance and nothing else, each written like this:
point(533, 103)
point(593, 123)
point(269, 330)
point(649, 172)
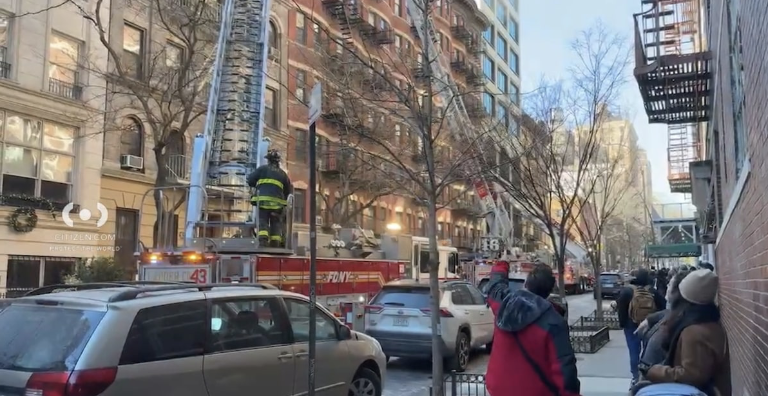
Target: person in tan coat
point(697, 344)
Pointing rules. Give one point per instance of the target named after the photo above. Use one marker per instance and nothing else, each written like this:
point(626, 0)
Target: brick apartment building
point(724, 95)
point(309, 38)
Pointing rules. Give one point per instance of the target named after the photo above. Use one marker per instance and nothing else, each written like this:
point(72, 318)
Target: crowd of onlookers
point(670, 319)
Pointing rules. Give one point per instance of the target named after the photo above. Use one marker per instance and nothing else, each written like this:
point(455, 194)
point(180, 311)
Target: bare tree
point(559, 136)
point(393, 110)
point(163, 80)
point(602, 199)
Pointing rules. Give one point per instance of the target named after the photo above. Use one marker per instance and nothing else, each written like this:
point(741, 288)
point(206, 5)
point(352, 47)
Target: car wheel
point(460, 359)
point(365, 383)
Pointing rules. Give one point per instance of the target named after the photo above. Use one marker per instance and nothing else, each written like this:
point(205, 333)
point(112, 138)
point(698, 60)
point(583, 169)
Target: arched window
point(175, 143)
point(131, 137)
point(274, 40)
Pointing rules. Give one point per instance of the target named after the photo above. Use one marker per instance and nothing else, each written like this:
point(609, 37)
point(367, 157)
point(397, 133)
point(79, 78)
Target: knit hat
point(699, 287)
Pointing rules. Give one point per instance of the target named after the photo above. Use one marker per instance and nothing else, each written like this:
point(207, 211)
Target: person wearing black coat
point(642, 279)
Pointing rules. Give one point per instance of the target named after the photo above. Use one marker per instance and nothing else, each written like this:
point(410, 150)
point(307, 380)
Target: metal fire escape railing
point(448, 94)
point(674, 75)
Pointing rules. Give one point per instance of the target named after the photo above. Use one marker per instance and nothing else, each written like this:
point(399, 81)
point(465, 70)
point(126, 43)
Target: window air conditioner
point(274, 54)
point(131, 162)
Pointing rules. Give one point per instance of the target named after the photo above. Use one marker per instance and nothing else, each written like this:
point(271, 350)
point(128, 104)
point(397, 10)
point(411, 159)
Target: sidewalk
point(606, 373)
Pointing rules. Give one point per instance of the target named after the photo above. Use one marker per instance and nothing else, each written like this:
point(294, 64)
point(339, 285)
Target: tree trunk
point(434, 301)
point(560, 264)
point(159, 230)
point(598, 286)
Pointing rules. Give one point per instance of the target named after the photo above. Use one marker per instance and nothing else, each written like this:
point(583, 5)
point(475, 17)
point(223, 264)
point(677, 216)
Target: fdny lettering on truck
point(339, 276)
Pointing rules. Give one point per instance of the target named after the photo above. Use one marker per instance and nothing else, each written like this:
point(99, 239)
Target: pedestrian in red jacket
point(532, 353)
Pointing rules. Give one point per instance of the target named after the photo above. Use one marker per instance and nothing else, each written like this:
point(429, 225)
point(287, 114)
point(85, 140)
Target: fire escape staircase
point(674, 75)
point(675, 85)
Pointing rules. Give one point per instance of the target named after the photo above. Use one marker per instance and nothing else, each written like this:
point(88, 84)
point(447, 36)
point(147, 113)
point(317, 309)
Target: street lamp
point(394, 227)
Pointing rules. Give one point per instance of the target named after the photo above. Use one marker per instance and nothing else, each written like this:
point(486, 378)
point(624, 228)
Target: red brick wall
point(742, 251)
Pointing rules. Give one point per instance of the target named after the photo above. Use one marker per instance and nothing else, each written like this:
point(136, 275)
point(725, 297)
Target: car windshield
point(514, 285)
point(406, 297)
point(610, 278)
point(44, 338)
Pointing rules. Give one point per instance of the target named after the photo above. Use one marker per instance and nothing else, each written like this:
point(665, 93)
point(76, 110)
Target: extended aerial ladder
point(497, 218)
point(232, 144)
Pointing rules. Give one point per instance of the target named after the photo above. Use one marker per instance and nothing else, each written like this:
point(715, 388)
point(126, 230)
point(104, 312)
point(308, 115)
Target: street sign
point(315, 103)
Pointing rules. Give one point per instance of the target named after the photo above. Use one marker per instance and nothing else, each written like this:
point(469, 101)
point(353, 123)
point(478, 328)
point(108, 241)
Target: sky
point(546, 29)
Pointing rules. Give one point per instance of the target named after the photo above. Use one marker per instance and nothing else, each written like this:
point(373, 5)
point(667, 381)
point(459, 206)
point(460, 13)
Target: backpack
point(641, 305)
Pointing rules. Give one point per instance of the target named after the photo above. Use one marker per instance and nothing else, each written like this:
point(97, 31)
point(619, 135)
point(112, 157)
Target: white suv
point(399, 318)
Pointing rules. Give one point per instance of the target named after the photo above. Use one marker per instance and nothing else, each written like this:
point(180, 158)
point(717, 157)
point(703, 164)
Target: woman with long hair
point(694, 340)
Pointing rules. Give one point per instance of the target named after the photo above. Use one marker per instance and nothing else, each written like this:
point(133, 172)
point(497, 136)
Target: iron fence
point(463, 384)
point(609, 319)
point(15, 292)
point(587, 337)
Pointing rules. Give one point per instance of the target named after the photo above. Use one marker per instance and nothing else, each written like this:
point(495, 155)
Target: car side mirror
point(344, 333)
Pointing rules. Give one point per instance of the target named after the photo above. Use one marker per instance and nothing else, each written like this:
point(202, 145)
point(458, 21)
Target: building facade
point(725, 95)
point(50, 142)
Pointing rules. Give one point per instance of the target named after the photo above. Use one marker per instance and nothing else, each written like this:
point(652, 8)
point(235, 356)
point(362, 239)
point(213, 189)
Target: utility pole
point(315, 109)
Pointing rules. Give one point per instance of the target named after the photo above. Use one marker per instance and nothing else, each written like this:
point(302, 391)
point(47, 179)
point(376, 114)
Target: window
point(477, 295)
point(166, 332)
point(300, 145)
point(5, 59)
point(301, 29)
point(38, 158)
point(317, 37)
point(501, 14)
point(131, 137)
point(489, 68)
point(398, 44)
point(298, 316)
point(270, 112)
point(513, 62)
point(737, 85)
point(301, 86)
point(501, 81)
point(246, 324)
point(514, 94)
point(64, 67)
point(398, 8)
point(501, 48)
point(174, 58)
point(512, 29)
point(44, 338)
point(299, 206)
point(488, 103)
point(460, 295)
point(274, 41)
point(488, 35)
point(133, 50)
point(489, 3)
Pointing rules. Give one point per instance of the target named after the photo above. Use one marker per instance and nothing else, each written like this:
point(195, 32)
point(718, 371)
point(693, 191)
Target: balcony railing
point(673, 73)
point(5, 66)
point(468, 207)
point(178, 167)
point(66, 89)
point(460, 32)
point(463, 242)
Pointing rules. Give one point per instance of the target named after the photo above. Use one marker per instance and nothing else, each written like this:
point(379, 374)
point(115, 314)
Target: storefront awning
point(673, 250)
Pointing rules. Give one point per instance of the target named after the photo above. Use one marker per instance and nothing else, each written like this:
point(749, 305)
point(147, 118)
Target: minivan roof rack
point(136, 288)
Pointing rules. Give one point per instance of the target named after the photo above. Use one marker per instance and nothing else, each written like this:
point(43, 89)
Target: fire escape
point(673, 72)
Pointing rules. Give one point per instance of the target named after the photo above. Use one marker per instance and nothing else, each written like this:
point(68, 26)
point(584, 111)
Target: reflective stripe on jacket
point(272, 187)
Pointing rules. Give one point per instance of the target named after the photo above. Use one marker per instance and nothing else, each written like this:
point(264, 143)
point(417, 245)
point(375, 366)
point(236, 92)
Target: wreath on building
point(23, 219)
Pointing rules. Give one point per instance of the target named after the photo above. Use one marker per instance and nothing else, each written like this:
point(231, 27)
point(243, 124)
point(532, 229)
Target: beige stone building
point(49, 142)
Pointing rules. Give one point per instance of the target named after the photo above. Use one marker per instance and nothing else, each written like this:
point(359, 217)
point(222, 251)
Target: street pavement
point(605, 373)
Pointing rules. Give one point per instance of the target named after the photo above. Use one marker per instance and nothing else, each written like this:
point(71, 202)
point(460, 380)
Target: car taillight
point(78, 383)
point(373, 309)
point(444, 313)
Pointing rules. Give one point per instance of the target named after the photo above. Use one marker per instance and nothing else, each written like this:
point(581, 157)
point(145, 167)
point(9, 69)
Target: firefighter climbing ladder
point(232, 143)
point(458, 120)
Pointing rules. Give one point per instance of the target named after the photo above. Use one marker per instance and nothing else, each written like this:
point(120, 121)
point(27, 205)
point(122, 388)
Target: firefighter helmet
point(273, 157)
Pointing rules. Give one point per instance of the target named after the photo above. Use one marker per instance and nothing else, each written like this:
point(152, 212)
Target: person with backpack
point(532, 353)
point(634, 304)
